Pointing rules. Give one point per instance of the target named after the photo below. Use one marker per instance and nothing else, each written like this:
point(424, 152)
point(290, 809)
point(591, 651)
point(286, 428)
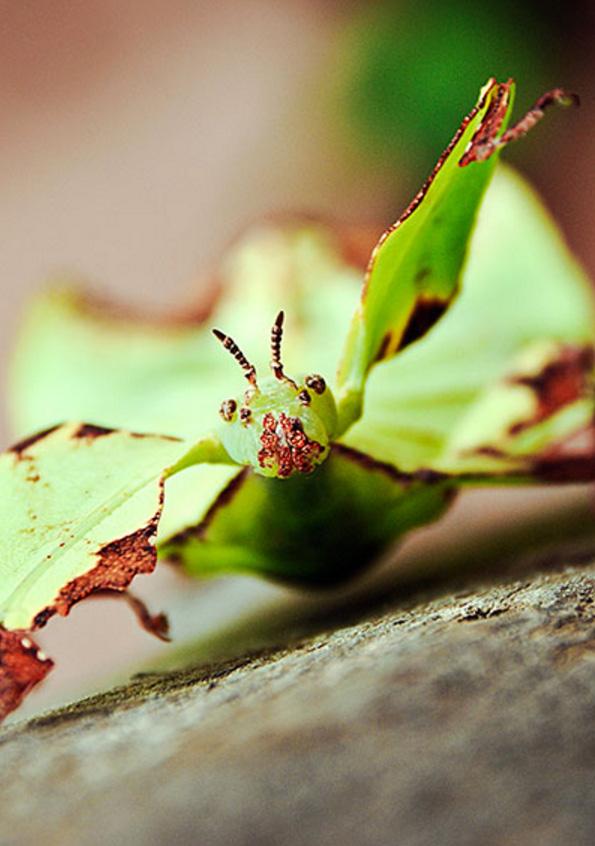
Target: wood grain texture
point(459, 718)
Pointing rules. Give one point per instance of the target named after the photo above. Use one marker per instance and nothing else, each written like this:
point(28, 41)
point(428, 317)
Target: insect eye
point(228, 410)
point(316, 383)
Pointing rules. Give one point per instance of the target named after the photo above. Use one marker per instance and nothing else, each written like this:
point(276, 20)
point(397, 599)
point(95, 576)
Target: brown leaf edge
point(22, 666)
point(563, 380)
point(484, 143)
point(566, 378)
point(427, 311)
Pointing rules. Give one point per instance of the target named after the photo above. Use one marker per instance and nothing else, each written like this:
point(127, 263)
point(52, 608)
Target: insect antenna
point(276, 363)
point(231, 346)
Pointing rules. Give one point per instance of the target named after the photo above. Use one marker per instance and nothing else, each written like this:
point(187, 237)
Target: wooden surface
point(461, 716)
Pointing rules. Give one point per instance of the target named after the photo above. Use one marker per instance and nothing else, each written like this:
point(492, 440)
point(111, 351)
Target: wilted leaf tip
point(485, 142)
point(118, 563)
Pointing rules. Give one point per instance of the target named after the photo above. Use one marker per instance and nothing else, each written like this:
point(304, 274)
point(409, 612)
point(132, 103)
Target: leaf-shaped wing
point(79, 360)
point(414, 271)
point(81, 510)
point(507, 370)
point(82, 504)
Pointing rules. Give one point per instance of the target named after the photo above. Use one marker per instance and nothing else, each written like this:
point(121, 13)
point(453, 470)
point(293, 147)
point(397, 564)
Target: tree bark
point(461, 717)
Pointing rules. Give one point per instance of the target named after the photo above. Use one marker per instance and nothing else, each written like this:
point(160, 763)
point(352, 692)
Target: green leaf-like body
point(456, 398)
point(415, 269)
point(81, 511)
point(294, 530)
point(492, 393)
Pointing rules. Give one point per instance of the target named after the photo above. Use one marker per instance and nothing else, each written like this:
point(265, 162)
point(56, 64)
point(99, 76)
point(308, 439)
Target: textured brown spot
point(285, 447)
point(481, 146)
point(22, 446)
point(118, 563)
point(21, 667)
point(425, 314)
point(485, 142)
point(560, 382)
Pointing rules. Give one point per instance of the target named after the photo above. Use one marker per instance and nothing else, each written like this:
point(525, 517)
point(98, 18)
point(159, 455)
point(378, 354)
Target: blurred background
point(139, 137)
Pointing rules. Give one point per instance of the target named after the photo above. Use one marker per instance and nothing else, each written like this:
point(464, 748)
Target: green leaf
point(505, 373)
point(415, 269)
point(81, 511)
point(82, 508)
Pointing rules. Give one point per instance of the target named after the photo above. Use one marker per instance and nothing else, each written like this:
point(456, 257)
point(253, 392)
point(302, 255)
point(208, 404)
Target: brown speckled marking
point(22, 446)
point(286, 447)
point(22, 666)
point(482, 144)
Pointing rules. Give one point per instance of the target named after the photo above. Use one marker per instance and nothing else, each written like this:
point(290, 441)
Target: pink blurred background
point(138, 137)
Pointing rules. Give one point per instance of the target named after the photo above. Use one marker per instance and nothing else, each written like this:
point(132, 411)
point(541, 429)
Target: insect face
point(281, 426)
point(277, 433)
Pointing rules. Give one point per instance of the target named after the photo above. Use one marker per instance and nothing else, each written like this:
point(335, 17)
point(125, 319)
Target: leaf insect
point(466, 359)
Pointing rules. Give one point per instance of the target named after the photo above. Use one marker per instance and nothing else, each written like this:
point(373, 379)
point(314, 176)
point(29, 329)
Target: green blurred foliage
point(405, 70)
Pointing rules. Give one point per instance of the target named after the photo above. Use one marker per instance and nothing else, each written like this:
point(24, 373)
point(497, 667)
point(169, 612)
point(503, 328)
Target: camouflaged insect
point(361, 427)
